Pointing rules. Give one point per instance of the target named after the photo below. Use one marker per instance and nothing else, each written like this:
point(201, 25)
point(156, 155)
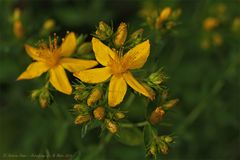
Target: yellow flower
point(54, 60)
point(118, 68)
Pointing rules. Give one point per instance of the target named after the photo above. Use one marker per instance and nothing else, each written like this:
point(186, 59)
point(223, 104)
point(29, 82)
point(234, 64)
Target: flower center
point(117, 67)
point(49, 54)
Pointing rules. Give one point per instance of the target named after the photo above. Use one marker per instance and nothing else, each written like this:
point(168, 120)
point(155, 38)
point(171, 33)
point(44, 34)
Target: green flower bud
point(168, 139)
point(44, 98)
point(104, 31)
point(85, 48)
point(157, 77)
point(81, 108)
point(119, 115)
point(163, 147)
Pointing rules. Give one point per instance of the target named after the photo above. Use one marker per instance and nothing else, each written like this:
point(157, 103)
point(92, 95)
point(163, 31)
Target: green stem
point(130, 125)
point(46, 85)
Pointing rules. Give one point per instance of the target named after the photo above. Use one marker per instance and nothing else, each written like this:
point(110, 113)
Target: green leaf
point(130, 136)
point(147, 134)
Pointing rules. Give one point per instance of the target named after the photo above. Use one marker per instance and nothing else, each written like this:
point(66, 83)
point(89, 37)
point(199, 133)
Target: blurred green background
point(205, 77)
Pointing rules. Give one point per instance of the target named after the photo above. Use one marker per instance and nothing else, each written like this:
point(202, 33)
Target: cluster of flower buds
point(108, 118)
point(87, 98)
point(120, 37)
point(43, 95)
point(214, 23)
point(90, 108)
point(164, 20)
point(160, 144)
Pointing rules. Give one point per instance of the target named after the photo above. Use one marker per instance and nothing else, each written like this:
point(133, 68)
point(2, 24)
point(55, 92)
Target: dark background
point(207, 81)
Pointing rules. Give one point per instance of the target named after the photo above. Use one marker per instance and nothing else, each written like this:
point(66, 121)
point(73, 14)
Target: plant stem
point(129, 125)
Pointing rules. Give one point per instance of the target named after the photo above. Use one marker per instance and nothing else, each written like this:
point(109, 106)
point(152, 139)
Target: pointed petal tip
point(19, 78)
point(69, 92)
point(112, 105)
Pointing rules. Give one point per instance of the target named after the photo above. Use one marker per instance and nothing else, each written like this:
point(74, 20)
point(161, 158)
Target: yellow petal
point(117, 90)
point(34, 70)
point(96, 75)
point(137, 56)
point(68, 45)
point(75, 65)
point(32, 52)
point(59, 80)
point(103, 53)
point(134, 84)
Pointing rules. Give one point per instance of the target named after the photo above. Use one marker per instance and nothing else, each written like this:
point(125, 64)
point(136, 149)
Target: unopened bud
point(170, 103)
point(80, 119)
point(18, 29)
point(81, 96)
point(137, 35)
point(81, 39)
point(77, 97)
point(79, 88)
point(44, 98)
point(49, 24)
point(217, 39)
point(157, 115)
point(85, 48)
point(80, 108)
point(17, 23)
point(236, 25)
point(77, 107)
point(104, 31)
point(152, 150)
point(99, 113)
point(111, 126)
point(163, 17)
point(121, 35)
point(157, 77)
point(43, 101)
point(94, 96)
point(16, 14)
point(210, 23)
point(168, 139)
point(35, 94)
point(119, 115)
point(165, 13)
point(164, 148)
